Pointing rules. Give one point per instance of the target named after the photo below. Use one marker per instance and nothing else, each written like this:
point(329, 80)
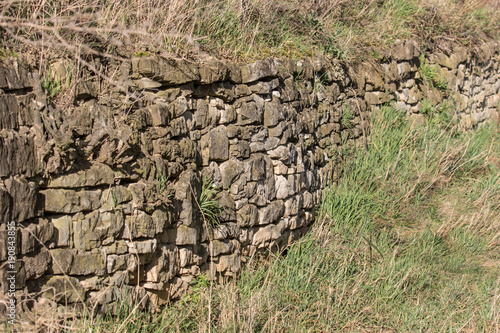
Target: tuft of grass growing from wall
point(210, 208)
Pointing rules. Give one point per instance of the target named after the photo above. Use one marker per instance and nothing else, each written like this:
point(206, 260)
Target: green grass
point(407, 241)
point(431, 76)
point(210, 209)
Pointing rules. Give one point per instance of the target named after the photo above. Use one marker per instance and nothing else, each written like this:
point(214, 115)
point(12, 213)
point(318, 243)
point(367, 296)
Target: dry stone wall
point(104, 191)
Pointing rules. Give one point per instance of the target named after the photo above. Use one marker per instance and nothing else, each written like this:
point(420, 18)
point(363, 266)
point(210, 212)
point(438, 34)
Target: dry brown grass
point(241, 29)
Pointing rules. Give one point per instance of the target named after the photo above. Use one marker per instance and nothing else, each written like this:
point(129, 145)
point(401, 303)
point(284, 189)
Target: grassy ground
point(408, 241)
point(243, 29)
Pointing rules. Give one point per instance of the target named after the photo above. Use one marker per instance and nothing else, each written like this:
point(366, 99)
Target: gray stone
point(14, 74)
point(212, 71)
point(283, 187)
point(263, 87)
point(259, 70)
point(85, 90)
point(250, 113)
point(160, 115)
point(5, 206)
point(64, 289)
point(18, 154)
point(230, 171)
point(293, 205)
point(89, 231)
point(377, 97)
point(146, 83)
point(217, 247)
point(248, 216)
point(240, 150)
point(24, 199)
point(273, 113)
point(35, 235)
point(230, 263)
point(188, 183)
point(10, 111)
point(70, 201)
point(166, 71)
point(36, 265)
point(140, 225)
point(164, 266)
point(62, 260)
point(63, 226)
point(142, 247)
point(271, 213)
point(86, 263)
point(405, 50)
point(266, 234)
point(115, 196)
point(215, 145)
point(97, 174)
point(225, 230)
point(183, 235)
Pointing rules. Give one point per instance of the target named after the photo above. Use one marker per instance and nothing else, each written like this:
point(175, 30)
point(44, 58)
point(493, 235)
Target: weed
point(141, 54)
point(6, 53)
point(209, 206)
point(51, 87)
point(162, 182)
point(347, 118)
point(427, 107)
point(431, 76)
point(113, 199)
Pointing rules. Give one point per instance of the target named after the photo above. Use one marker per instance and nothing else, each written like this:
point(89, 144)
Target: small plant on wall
point(210, 208)
point(431, 75)
point(347, 118)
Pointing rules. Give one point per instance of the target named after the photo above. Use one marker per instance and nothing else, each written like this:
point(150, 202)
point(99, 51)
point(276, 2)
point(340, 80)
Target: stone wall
point(103, 190)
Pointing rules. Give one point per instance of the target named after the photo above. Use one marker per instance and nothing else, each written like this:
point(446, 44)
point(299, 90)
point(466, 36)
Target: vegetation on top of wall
point(242, 29)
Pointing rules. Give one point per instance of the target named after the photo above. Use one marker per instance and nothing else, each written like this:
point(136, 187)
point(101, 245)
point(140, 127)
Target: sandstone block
point(64, 289)
point(250, 113)
point(230, 263)
point(259, 70)
point(183, 235)
point(142, 247)
point(271, 213)
point(97, 174)
point(166, 71)
point(36, 265)
point(377, 97)
point(248, 216)
point(24, 202)
point(70, 201)
point(86, 263)
point(215, 145)
point(18, 155)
